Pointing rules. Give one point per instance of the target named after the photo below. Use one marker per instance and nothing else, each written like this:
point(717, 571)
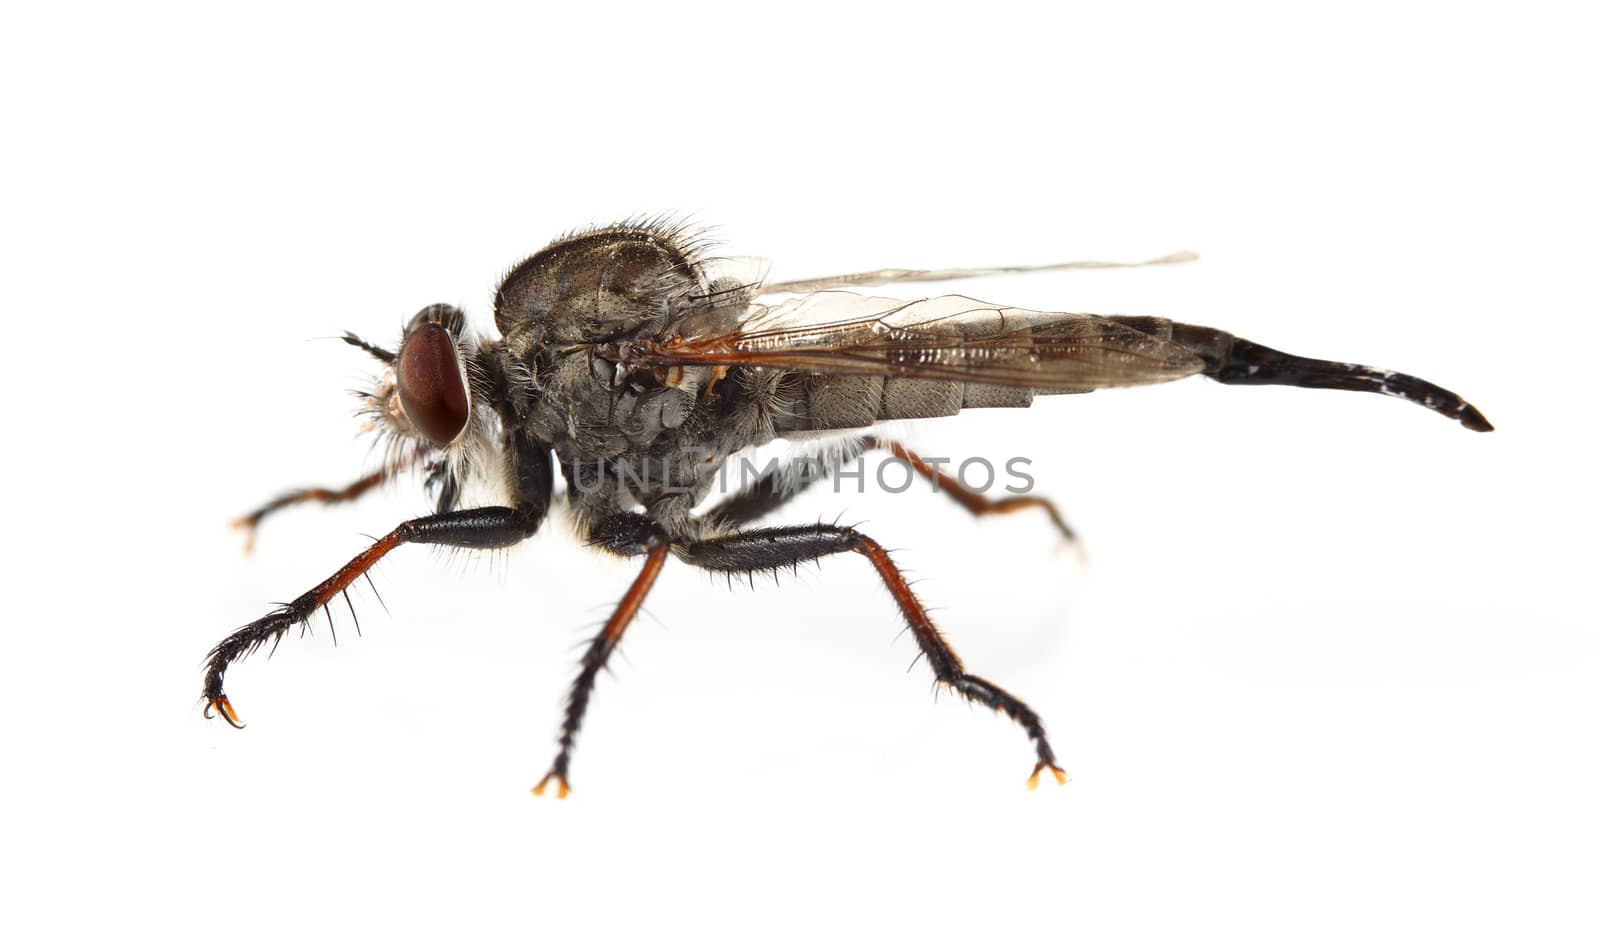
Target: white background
point(1330, 668)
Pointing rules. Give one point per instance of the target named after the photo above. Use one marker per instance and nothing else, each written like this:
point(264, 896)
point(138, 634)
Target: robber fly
point(636, 365)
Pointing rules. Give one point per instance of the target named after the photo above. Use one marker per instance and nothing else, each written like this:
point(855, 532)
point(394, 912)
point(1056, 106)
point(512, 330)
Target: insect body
point(636, 367)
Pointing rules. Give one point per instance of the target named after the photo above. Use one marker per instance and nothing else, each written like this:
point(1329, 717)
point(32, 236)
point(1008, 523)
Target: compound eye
point(432, 383)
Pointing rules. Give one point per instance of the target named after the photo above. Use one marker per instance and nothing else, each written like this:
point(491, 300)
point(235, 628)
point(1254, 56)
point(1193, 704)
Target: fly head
point(439, 401)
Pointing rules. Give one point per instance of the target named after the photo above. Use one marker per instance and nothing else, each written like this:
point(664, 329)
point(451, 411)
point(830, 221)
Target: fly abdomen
point(1234, 361)
point(838, 402)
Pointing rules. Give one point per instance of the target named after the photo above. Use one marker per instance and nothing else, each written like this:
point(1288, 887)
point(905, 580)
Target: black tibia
point(492, 527)
point(1234, 361)
point(769, 549)
point(623, 534)
point(782, 547)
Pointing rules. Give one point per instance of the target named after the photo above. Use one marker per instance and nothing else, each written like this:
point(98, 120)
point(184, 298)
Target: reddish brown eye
point(433, 390)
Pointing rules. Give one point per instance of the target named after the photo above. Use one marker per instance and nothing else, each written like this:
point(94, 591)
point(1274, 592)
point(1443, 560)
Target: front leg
point(491, 527)
point(251, 522)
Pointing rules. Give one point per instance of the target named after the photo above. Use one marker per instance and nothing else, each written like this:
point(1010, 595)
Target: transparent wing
point(747, 270)
point(903, 275)
point(950, 338)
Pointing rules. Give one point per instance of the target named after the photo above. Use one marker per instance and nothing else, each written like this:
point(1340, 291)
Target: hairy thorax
point(623, 437)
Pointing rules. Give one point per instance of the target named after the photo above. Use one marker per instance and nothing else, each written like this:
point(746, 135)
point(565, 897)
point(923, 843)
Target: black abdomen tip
point(1473, 419)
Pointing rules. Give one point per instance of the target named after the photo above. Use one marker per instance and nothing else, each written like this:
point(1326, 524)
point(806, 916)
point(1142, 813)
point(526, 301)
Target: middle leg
point(250, 523)
point(782, 547)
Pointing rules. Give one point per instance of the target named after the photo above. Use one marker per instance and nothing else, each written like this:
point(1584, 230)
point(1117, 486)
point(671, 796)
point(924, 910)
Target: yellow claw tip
point(1057, 772)
point(561, 787)
point(249, 527)
point(225, 709)
point(1073, 546)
